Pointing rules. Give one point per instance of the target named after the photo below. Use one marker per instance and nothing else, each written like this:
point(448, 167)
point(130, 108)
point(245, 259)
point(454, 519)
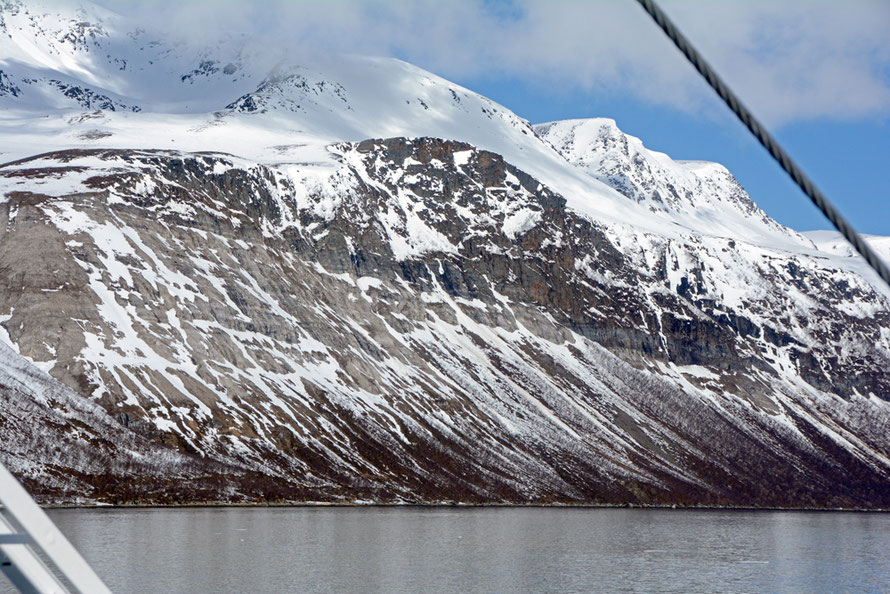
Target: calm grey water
point(480, 550)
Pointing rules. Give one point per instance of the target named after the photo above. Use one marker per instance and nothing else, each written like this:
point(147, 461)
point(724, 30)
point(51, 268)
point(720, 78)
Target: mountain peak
point(700, 194)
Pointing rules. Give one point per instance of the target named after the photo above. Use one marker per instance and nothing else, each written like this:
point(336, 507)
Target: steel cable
point(766, 139)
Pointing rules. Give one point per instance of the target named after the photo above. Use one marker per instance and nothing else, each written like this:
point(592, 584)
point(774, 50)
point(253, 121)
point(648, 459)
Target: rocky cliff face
point(67, 449)
point(419, 320)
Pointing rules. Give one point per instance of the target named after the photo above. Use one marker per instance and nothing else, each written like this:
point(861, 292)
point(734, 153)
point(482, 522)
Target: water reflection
point(479, 549)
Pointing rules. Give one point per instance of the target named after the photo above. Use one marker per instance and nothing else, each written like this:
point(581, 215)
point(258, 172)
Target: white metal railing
point(25, 530)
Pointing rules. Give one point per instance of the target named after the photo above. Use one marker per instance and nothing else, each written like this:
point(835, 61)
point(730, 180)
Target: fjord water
point(411, 549)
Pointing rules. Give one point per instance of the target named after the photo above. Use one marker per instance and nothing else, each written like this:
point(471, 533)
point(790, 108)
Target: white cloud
point(790, 60)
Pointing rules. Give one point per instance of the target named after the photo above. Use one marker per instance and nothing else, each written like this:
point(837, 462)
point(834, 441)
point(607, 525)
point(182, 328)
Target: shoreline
point(449, 505)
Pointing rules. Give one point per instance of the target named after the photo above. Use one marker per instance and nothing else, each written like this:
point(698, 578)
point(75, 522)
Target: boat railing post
point(25, 529)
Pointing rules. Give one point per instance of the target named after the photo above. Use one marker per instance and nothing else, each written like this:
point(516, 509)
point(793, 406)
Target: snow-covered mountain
point(347, 278)
point(699, 194)
point(140, 90)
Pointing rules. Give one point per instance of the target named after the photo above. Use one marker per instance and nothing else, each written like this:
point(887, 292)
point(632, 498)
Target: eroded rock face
point(426, 322)
point(67, 449)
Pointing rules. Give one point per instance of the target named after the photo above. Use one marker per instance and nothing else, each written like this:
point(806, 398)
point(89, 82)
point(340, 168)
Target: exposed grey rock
point(67, 449)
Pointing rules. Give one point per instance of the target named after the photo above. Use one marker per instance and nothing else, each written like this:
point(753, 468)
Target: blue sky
point(817, 72)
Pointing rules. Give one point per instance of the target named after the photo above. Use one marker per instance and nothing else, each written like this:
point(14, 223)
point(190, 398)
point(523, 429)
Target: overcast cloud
point(791, 60)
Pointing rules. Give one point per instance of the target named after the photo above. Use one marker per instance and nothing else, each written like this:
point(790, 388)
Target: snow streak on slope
point(68, 449)
point(833, 242)
point(833, 245)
